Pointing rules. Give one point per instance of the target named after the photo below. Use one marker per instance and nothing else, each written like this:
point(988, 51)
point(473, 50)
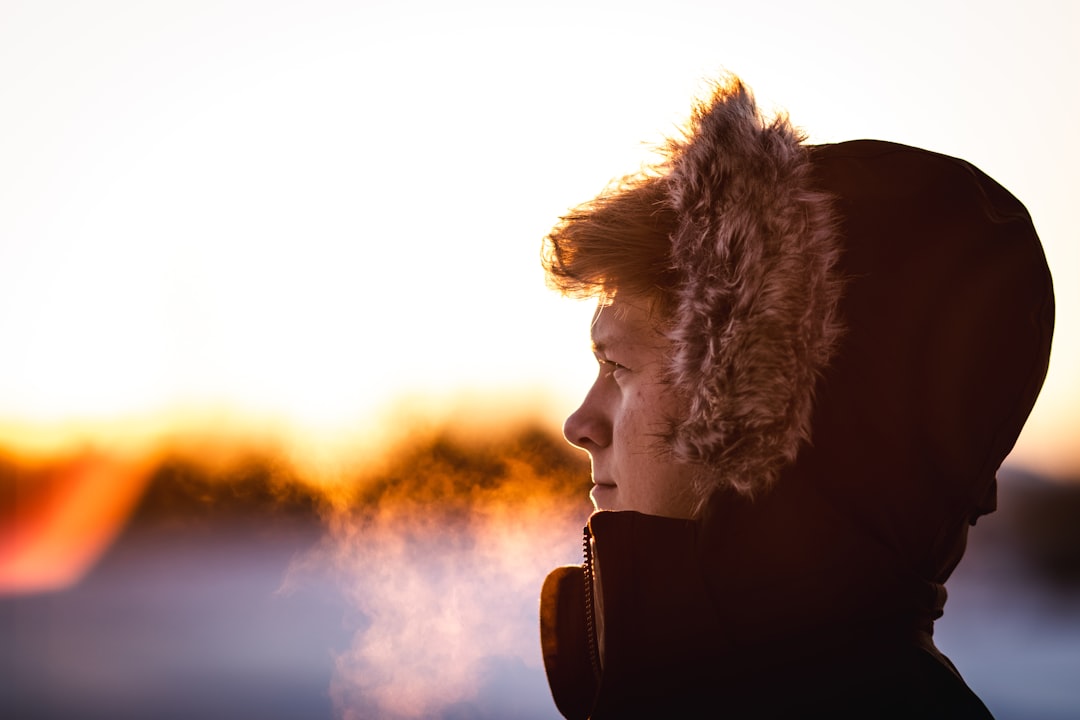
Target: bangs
point(617, 242)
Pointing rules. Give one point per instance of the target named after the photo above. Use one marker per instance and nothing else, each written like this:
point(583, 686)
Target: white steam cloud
point(441, 561)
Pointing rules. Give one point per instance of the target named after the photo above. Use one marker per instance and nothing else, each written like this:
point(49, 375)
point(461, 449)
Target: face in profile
point(626, 414)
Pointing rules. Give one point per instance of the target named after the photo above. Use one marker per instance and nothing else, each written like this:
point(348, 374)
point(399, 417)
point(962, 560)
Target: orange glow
point(70, 487)
point(62, 516)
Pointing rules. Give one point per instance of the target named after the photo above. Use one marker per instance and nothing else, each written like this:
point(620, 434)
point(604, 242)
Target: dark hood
point(947, 312)
point(948, 309)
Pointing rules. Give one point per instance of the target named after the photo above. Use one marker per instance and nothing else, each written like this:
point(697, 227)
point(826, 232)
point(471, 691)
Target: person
point(812, 361)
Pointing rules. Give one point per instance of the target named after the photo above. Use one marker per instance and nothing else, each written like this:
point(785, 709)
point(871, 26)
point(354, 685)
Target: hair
point(619, 242)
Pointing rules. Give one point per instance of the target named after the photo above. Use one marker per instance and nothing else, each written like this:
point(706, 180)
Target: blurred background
point(280, 382)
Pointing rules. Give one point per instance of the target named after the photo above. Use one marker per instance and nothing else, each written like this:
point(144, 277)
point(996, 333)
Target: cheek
point(634, 422)
point(654, 409)
point(671, 491)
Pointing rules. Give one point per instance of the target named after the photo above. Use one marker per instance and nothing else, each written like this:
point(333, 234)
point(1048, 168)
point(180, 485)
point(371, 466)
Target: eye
point(610, 365)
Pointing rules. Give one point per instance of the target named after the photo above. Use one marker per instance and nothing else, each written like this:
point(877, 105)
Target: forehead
point(625, 323)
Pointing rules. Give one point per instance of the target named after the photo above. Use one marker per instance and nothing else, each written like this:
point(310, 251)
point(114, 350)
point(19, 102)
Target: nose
point(588, 427)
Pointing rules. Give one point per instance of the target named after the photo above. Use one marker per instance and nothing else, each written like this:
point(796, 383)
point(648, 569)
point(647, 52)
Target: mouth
point(602, 494)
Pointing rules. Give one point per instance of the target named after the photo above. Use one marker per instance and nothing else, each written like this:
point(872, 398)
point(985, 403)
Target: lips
point(603, 495)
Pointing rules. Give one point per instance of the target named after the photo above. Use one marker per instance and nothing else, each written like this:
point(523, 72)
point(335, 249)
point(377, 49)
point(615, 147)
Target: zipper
point(590, 604)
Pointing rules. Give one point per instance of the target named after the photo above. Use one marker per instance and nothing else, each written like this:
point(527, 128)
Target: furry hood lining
point(755, 321)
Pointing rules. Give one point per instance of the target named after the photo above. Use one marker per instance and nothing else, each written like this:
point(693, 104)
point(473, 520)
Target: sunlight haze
point(299, 213)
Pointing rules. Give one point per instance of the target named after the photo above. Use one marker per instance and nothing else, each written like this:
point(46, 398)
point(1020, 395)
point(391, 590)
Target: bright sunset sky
point(297, 212)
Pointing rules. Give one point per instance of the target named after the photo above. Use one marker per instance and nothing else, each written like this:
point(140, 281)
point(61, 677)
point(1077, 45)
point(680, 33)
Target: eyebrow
point(605, 344)
point(605, 339)
point(609, 338)
point(618, 337)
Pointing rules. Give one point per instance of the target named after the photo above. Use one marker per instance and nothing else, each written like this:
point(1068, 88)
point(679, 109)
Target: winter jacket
point(814, 594)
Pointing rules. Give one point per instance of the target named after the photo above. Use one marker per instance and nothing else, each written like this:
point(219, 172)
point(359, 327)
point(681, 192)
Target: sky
point(296, 219)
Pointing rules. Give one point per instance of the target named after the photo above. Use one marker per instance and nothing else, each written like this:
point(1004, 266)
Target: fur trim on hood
point(755, 321)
